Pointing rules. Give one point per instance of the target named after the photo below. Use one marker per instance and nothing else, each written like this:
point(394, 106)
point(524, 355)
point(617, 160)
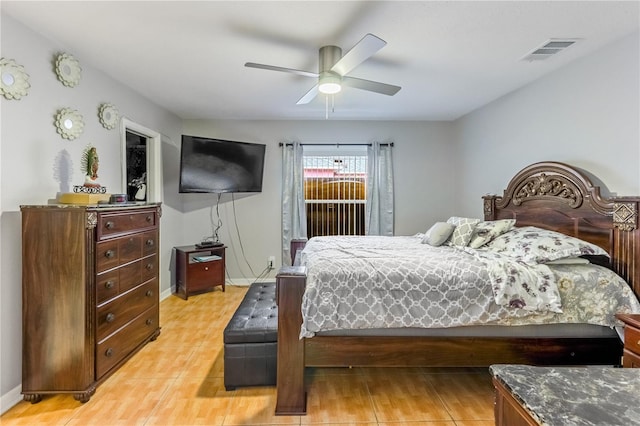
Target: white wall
point(586, 114)
point(29, 145)
point(421, 156)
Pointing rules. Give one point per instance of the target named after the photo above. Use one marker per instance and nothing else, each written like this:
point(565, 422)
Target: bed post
point(626, 240)
point(291, 396)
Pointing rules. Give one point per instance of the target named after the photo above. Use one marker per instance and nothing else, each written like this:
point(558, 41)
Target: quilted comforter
point(393, 282)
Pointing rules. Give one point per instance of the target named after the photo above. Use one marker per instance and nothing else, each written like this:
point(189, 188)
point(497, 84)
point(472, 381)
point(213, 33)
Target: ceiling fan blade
point(274, 68)
point(366, 47)
point(308, 97)
point(371, 86)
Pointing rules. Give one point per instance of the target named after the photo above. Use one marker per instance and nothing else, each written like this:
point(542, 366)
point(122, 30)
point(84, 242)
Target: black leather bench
point(251, 339)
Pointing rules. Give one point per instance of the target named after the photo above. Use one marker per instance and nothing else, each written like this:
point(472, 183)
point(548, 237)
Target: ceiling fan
point(333, 69)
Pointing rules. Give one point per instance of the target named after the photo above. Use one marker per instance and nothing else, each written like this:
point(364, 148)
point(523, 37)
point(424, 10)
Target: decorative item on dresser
point(198, 270)
point(631, 355)
point(90, 294)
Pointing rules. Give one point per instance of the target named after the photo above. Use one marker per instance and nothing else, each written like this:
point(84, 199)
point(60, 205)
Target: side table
point(198, 270)
point(631, 355)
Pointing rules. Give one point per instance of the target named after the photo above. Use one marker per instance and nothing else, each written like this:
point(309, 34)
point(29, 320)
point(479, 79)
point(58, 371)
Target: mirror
point(69, 123)
point(15, 81)
point(7, 79)
point(108, 115)
point(68, 69)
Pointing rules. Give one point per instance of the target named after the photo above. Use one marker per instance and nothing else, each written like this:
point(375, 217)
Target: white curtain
point(294, 217)
point(379, 208)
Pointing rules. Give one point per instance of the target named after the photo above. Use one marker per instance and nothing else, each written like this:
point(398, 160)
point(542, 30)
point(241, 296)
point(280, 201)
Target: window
point(335, 189)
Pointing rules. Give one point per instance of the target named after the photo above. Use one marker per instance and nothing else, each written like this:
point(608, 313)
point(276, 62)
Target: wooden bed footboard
point(291, 398)
point(294, 354)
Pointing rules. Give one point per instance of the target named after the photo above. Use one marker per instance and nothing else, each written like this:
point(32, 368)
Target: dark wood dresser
point(90, 294)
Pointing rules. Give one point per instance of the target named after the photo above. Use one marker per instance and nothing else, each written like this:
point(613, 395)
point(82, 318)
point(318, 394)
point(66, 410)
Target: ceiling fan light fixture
point(329, 83)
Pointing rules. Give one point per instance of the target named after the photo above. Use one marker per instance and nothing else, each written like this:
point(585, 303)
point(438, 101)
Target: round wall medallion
point(108, 115)
point(68, 70)
point(69, 123)
point(14, 82)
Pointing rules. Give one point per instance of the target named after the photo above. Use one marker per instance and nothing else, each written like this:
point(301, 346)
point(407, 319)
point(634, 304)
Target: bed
point(548, 195)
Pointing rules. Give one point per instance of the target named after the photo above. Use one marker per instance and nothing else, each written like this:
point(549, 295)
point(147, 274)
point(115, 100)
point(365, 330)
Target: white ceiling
point(449, 57)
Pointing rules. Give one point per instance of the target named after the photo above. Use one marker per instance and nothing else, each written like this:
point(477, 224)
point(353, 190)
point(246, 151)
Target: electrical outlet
point(270, 262)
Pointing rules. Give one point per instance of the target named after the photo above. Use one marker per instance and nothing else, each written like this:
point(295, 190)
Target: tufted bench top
point(256, 319)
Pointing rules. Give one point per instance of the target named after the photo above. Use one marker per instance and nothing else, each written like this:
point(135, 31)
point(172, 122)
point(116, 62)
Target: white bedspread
point(392, 282)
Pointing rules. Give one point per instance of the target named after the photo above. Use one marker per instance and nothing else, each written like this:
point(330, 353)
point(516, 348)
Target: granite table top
point(580, 396)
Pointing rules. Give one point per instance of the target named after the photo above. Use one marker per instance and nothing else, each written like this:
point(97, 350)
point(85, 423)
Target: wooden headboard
point(562, 198)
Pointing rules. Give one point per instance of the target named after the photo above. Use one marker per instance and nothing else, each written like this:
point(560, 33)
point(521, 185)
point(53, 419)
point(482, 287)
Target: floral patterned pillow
point(534, 245)
point(488, 230)
point(464, 227)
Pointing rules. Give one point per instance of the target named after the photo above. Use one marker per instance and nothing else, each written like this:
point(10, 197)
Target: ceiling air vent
point(549, 48)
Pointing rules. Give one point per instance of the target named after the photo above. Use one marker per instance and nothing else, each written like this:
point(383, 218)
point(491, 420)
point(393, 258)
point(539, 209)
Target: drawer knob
point(109, 284)
point(149, 218)
point(149, 321)
point(108, 352)
point(150, 242)
point(149, 266)
point(149, 293)
point(206, 268)
point(109, 225)
point(109, 254)
point(110, 317)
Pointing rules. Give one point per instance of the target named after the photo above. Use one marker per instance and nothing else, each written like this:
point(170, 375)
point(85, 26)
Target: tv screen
point(216, 165)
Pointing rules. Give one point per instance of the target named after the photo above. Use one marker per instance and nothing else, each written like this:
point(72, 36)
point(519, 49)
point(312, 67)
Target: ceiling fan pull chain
point(326, 107)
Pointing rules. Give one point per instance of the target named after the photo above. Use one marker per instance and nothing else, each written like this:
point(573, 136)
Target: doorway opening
point(141, 163)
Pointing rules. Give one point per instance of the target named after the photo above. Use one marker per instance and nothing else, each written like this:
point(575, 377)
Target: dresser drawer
point(114, 349)
point(121, 310)
point(112, 253)
point(149, 267)
point(114, 224)
point(630, 359)
point(149, 243)
point(107, 286)
point(205, 274)
point(632, 339)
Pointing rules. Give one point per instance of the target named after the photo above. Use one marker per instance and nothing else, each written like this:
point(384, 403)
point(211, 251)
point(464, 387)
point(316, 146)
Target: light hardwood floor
point(178, 380)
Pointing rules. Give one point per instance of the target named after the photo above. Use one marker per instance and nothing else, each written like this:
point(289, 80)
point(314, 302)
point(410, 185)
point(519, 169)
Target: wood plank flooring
point(178, 380)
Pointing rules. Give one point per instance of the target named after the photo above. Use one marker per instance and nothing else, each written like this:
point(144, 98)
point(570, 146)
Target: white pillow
point(438, 234)
point(464, 228)
point(534, 245)
point(488, 230)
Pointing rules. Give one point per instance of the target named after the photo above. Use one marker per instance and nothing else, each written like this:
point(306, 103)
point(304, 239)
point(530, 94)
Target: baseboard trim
point(11, 398)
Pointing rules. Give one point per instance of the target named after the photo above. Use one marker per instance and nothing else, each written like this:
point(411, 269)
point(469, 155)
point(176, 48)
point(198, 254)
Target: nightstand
point(631, 357)
point(198, 270)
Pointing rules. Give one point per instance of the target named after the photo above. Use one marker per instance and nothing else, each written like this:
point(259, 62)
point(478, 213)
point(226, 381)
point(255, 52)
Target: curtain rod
point(335, 144)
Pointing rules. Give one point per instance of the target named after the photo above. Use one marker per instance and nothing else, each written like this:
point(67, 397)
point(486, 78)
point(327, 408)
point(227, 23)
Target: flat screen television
point(216, 165)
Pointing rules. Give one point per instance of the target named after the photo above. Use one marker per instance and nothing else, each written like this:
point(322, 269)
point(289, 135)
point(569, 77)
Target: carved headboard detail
point(543, 186)
point(562, 198)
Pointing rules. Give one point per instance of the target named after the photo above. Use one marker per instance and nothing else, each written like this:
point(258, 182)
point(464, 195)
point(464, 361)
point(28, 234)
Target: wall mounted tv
point(216, 165)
